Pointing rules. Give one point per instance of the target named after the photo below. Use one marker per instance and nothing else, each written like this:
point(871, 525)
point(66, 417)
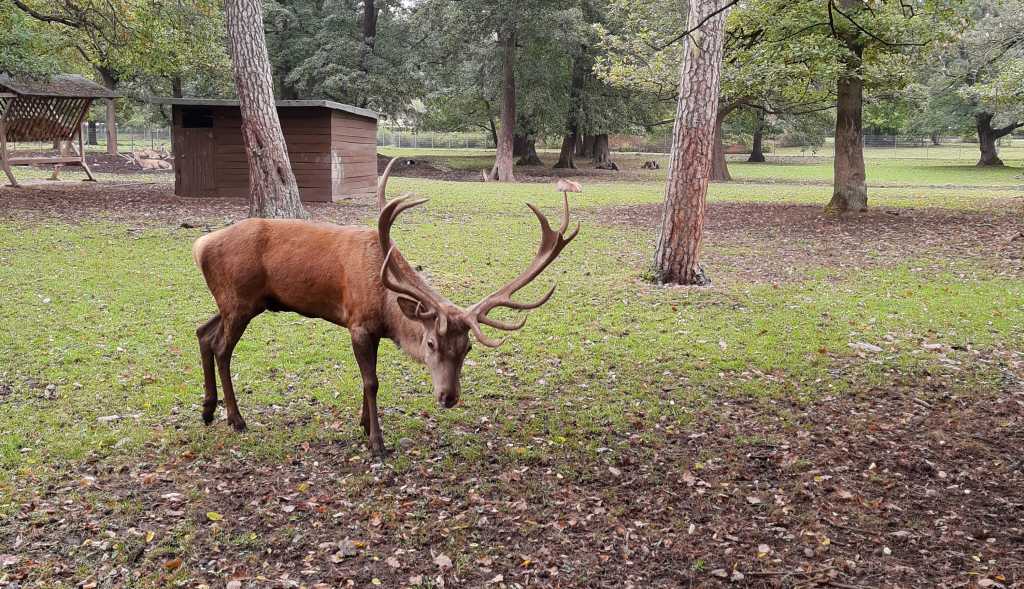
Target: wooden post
point(3, 155)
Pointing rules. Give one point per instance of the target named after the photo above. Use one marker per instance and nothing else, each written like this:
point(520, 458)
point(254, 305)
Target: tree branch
point(677, 38)
point(1004, 131)
point(832, 6)
point(50, 18)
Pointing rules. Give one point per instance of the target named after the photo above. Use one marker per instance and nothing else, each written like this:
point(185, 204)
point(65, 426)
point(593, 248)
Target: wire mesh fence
point(782, 148)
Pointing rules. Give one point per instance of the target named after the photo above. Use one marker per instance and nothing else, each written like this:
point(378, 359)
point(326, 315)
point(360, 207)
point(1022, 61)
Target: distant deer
point(142, 160)
point(354, 277)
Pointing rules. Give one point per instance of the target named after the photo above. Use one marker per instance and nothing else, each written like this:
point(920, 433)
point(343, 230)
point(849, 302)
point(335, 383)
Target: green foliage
point(318, 51)
point(27, 49)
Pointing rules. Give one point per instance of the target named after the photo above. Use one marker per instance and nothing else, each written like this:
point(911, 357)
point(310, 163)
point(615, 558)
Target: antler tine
point(424, 299)
point(482, 337)
point(382, 184)
point(551, 245)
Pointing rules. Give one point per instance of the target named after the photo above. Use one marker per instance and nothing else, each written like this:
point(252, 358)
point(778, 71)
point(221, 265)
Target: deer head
point(446, 327)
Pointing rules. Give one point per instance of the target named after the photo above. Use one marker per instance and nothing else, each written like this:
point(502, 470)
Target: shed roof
point(362, 112)
point(60, 86)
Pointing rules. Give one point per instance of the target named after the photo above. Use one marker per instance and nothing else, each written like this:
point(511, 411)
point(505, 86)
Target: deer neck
point(406, 333)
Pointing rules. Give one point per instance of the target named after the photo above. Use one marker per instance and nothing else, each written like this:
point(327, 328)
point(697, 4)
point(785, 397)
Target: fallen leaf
point(443, 561)
point(7, 560)
point(753, 500)
point(375, 581)
point(416, 580)
point(234, 584)
point(214, 516)
point(615, 472)
point(496, 579)
point(763, 550)
point(149, 536)
point(173, 564)
point(719, 573)
point(393, 562)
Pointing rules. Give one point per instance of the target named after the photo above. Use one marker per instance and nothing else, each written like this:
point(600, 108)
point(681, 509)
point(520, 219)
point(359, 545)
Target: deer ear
point(410, 308)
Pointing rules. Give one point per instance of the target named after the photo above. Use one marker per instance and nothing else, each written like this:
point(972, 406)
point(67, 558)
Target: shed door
point(194, 166)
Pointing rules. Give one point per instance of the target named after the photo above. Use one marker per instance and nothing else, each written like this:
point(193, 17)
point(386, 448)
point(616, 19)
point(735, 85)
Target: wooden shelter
point(46, 110)
point(332, 148)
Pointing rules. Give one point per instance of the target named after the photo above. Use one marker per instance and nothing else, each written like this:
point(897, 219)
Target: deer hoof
point(237, 422)
point(377, 448)
point(207, 417)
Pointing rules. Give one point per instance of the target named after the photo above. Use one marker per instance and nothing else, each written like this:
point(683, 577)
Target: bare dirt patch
point(917, 485)
point(137, 203)
point(781, 242)
point(435, 168)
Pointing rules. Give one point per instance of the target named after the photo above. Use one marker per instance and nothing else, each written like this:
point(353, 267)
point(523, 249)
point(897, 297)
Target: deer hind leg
point(231, 330)
point(206, 334)
point(365, 348)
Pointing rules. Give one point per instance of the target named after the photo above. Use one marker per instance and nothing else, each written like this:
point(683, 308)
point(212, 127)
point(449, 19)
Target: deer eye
point(431, 344)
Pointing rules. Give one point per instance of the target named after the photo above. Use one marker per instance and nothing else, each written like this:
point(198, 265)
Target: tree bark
point(369, 42)
point(719, 167)
point(677, 259)
point(602, 153)
point(566, 157)
point(757, 144)
point(494, 131)
point(273, 191)
point(586, 146)
point(110, 83)
point(503, 158)
point(987, 136)
point(530, 157)
point(850, 189)
point(519, 146)
point(176, 89)
point(91, 134)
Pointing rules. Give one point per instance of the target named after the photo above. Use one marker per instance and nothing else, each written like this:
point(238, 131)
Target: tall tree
point(273, 189)
point(973, 82)
point(677, 260)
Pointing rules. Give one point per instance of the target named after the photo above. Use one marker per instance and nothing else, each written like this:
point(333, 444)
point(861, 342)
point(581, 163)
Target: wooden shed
point(332, 147)
point(46, 111)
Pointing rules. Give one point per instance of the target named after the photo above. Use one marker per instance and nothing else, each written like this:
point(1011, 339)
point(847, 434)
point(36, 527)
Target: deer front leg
point(365, 348)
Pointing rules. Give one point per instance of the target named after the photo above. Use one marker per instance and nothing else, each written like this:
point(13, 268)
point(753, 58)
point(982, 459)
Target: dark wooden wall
point(333, 153)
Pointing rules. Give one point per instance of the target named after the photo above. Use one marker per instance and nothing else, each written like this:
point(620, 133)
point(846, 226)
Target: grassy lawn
point(615, 387)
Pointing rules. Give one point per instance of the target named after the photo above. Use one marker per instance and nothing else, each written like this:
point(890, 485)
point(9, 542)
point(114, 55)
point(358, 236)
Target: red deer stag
point(354, 277)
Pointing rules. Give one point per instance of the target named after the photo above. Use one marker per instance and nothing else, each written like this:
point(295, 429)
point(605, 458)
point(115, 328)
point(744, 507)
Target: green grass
point(107, 315)
point(99, 321)
point(462, 198)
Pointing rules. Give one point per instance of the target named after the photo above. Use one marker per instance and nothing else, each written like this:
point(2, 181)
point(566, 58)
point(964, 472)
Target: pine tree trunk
point(273, 191)
point(719, 167)
point(503, 159)
point(987, 140)
point(91, 134)
point(757, 145)
point(850, 191)
point(566, 157)
point(530, 157)
point(677, 260)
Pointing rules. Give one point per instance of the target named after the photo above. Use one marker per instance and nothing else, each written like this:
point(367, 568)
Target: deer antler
point(382, 184)
point(392, 274)
point(551, 244)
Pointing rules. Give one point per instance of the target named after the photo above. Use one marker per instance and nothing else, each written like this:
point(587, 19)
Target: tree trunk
point(369, 42)
point(757, 147)
point(110, 83)
point(566, 157)
point(935, 138)
point(273, 191)
point(91, 134)
point(987, 138)
point(530, 157)
point(494, 131)
point(677, 259)
point(580, 67)
point(176, 90)
point(719, 167)
point(850, 191)
point(586, 146)
point(602, 153)
point(503, 159)
point(519, 144)
point(111, 127)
